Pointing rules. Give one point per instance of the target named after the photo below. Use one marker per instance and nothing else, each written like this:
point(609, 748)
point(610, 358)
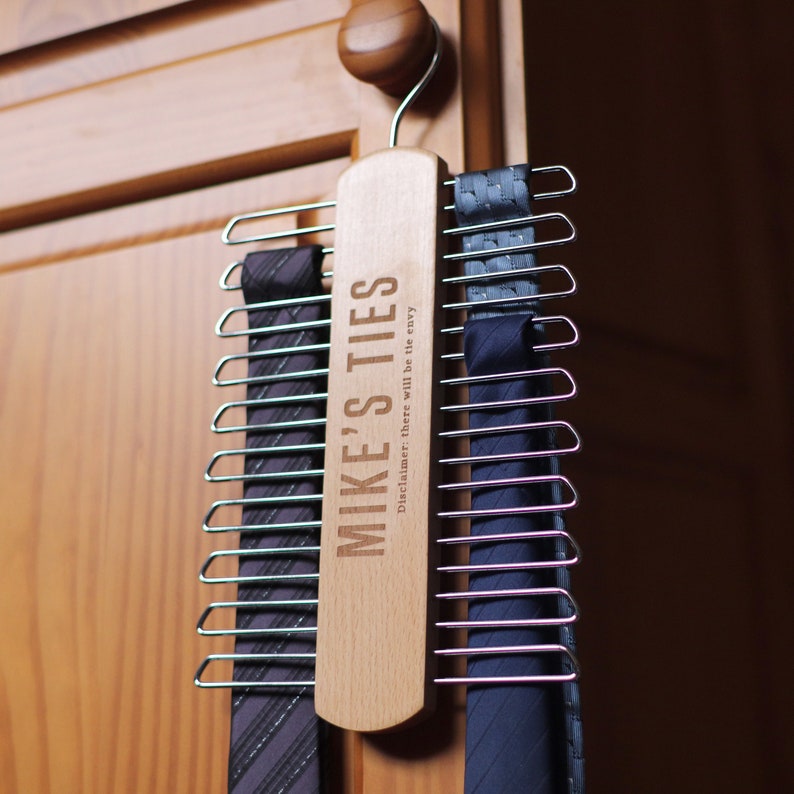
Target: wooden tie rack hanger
point(392, 562)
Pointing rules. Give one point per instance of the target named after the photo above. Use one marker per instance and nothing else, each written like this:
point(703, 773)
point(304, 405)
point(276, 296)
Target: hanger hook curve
point(419, 87)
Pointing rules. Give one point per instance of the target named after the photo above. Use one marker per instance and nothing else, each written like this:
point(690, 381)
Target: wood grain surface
point(189, 30)
point(100, 520)
point(30, 22)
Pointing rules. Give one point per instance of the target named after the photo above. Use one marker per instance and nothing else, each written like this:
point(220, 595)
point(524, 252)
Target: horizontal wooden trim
point(27, 23)
point(187, 30)
point(173, 216)
point(178, 181)
point(230, 111)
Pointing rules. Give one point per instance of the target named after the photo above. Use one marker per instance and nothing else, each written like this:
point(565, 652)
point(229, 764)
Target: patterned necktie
point(276, 736)
point(520, 738)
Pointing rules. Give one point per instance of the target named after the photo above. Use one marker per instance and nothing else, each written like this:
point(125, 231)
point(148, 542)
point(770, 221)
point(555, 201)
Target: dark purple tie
point(276, 737)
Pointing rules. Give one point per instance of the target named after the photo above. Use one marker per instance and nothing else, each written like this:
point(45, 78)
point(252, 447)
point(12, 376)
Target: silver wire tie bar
point(261, 354)
point(264, 476)
point(511, 650)
point(519, 428)
point(272, 305)
point(226, 235)
point(536, 479)
point(519, 300)
point(223, 281)
point(253, 657)
point(276, 577)
point(261, 403)
point(252, 452)
point(275, 377)
point(573, 341)
point(259, 606)
point(546, 169)
point(510, 511)
point(249, 502)
point(269, 427)
point(513, 248)
point(290, 526)
point(532, 565)
point(499, 404)
point(518, 592)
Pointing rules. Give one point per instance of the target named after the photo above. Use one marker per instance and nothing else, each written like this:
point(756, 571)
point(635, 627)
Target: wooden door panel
point(101, 520)
point(685, 305)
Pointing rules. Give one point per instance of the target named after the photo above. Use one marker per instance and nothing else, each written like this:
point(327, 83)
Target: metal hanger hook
point(419, 87)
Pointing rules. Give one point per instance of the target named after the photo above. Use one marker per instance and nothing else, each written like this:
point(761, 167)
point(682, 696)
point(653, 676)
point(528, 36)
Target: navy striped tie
point(520, 738)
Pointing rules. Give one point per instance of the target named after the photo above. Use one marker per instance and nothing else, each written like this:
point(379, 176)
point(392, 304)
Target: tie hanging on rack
point(277, 573)
point(404, 417)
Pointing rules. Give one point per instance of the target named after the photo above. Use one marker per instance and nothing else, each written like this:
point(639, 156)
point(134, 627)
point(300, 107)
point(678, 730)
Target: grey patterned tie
point(276, 737)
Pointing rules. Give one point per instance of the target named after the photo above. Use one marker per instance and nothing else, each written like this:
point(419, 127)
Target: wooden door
point(677, 119)
point(129, 135)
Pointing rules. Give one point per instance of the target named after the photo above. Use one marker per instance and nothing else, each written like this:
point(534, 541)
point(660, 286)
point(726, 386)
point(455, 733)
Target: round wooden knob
point(388, 43)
